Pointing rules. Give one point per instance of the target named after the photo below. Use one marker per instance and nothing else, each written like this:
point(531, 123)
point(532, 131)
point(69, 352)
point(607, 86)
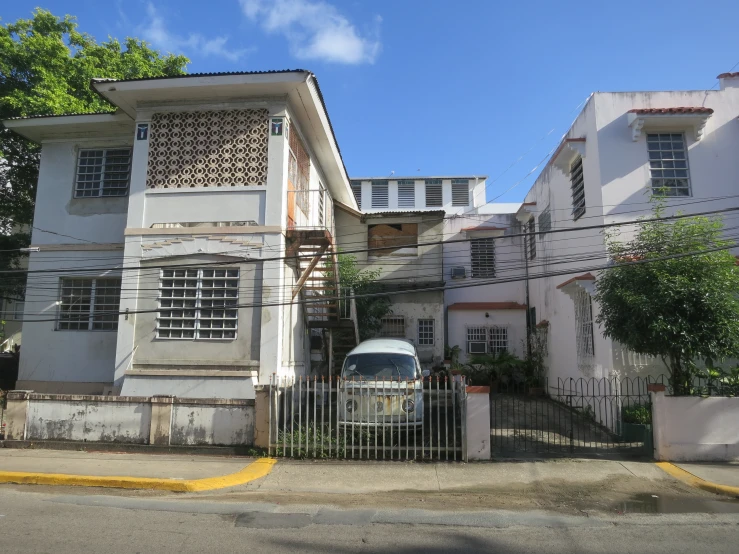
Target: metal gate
point(399, 419)
point(572, 417)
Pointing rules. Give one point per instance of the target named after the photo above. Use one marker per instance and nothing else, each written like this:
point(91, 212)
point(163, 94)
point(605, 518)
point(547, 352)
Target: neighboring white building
point(184, 211)
point(621, 146)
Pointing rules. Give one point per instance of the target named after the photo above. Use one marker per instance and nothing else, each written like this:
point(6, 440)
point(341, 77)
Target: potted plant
point(636, 424)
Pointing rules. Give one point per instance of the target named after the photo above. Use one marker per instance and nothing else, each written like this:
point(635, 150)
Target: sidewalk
point(130, 471)
point(726, 474)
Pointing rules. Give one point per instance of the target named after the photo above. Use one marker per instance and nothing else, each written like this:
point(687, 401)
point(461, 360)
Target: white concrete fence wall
point(159, 420)
point(693, 428)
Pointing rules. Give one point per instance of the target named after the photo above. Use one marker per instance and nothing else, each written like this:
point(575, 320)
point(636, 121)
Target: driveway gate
point(571, 417)
point(371, 420)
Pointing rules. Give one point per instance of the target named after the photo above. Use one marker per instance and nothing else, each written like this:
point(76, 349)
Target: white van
point(381, 386)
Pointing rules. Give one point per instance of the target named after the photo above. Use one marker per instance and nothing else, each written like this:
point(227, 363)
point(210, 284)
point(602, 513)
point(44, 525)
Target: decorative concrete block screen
point(224, 148)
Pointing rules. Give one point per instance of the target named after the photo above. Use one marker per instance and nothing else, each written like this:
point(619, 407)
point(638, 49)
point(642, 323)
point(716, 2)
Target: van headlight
point(408, 406)
point(351, 405)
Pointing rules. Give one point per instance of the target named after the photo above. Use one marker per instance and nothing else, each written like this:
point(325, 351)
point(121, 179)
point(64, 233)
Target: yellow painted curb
point(255, 470)
point(695, 481)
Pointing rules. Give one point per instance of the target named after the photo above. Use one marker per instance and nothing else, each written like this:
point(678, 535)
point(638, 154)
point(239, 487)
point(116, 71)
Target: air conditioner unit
point(458, 272)
point(478, 347)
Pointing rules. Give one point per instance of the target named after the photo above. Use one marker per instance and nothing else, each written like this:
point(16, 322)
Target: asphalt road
point(83, 521)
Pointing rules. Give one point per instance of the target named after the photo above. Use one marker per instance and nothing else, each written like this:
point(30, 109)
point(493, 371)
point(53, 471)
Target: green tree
point(46, 66)
point(370, 309)
point(681, 308)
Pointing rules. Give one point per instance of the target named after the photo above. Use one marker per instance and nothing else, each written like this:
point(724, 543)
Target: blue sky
point(439, 87)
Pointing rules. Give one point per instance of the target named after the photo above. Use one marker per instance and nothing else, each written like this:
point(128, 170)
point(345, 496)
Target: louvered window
point(482, 253)
point(545, 222)
point(104, 172)
point(357, 191)
point(406, 193)
point(460, 192)
point(530, 230)
point(578, 189)
point(379, 194)
point(433, 193)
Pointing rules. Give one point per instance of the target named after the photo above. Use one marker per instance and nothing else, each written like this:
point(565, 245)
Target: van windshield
point(379, 366)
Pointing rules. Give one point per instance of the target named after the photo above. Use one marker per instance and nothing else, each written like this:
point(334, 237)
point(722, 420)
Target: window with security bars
point(198, 304)
point(103, 172)
point(89, 304)
point(487, 340)
point(460, 192)
point(406, 193)
point(584, 332)
point(545, 222)
point(668, 164)
point(578, 189)
point(379, 194)
point(433, 193)
point(530, 230)
point(425, 332)
point(393, 327)
point(482, 254)
point(357, 191)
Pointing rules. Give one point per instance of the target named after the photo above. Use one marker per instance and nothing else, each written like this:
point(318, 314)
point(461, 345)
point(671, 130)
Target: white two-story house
point(174, 235)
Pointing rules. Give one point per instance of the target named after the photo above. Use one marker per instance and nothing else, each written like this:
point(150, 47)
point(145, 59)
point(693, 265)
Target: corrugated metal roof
point(58, 115)
point(186, 75)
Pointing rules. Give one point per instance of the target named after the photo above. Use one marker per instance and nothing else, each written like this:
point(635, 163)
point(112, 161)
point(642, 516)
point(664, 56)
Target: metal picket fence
point(422, 419)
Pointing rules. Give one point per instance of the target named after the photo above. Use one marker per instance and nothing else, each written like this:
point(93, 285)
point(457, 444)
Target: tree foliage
point(46, 66)
point(681, 303)
point(370, 309)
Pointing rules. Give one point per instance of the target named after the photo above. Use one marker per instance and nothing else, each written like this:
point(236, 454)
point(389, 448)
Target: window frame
point(482, 268)
point(356, 187)
point(438, 189)
point(529, 229)
point(460, 184)
point(198, 303)
point(494, 338)
point(427, 336)
point(101, 183)
point(393, 333)
point(545, 222)
point(377, 188)
point(584, 328)
point(65, 321)
point(407, 186)
point(577, 186)
point(662, 189)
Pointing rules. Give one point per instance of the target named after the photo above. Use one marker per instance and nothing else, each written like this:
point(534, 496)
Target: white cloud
point(157, 33)
point(315, 30)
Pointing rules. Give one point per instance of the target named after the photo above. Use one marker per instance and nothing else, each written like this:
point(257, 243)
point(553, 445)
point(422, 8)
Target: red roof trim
point(583, 277)
point(670, 111)
point(459, 306)
point(484, 229)
point(728, 75)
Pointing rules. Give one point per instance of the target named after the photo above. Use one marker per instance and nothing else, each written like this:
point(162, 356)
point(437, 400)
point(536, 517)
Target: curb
point(695, 481)
point(255, 470)
point(206, 450)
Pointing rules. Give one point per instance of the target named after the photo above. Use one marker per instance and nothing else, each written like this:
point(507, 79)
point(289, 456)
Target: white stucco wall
point(89, 419)
point(198, 424)
point(422, 305)
point(695, 429)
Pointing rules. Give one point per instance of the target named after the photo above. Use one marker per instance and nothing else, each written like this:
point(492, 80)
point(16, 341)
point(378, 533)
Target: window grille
point(497, 340)
point(379, 194)
point(460, 192)
point(584, 323)
point(433, 193)
point(406, 194)
point(425, 332)
point(357, 190)
point(668, 164)
point(578, 189)
point(487, 340)
point(198, 304)
point(393, 327)
point(530, 229)
point(545, 222)
point(482, 253)
point(89, 304)
point(103, 172)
